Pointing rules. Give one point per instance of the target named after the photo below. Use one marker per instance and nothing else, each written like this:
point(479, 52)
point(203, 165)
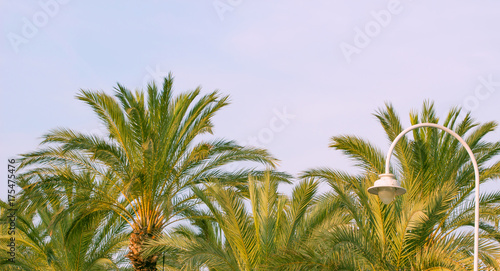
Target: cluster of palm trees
point(157, 193)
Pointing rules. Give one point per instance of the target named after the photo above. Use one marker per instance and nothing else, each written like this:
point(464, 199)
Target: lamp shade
point(387, 187)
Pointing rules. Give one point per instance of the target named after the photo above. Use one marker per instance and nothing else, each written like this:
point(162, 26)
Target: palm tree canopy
point(240, 232)
point(144, 169)
point(42, 245)
point(429, 227)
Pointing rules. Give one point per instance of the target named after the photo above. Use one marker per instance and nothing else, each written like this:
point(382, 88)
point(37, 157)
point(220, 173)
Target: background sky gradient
point(297, 72)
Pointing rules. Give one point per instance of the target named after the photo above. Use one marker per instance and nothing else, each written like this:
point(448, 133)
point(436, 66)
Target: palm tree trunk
point(137, 239)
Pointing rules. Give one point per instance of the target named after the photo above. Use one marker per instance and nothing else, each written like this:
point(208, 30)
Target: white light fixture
point(387, 188)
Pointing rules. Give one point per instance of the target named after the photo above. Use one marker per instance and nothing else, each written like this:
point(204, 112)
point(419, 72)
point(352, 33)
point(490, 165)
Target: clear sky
point(298, 72)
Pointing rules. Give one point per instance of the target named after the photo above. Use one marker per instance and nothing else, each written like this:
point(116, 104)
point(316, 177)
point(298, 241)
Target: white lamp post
point(387, 187)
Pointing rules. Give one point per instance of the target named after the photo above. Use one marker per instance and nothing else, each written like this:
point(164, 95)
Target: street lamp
point(387, 187)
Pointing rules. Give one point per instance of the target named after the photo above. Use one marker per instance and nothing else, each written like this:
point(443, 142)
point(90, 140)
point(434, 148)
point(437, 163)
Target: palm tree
point(145, 168)
point(42, 245)
point(429, 228)
point(243, 231)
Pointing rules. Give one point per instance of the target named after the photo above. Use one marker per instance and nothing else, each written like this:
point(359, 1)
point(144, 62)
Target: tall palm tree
point(429, 228)
point(242, 232)
point(146, 166)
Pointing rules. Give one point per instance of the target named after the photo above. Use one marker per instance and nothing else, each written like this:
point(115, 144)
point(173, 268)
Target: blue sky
point(293, 84)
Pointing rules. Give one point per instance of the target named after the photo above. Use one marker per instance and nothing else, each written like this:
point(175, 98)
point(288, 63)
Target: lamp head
point(387, 188)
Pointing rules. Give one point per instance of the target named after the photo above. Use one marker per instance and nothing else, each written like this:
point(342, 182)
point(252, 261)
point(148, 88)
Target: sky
point(297, 72)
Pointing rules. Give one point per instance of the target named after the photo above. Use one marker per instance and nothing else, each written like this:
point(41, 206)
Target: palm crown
point(428, 227)
point(153, 169)
point(42, 245)
point(145, 169)
point(241, 231)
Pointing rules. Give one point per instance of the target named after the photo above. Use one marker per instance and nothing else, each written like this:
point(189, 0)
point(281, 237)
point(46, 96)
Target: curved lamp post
point(387, 188)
